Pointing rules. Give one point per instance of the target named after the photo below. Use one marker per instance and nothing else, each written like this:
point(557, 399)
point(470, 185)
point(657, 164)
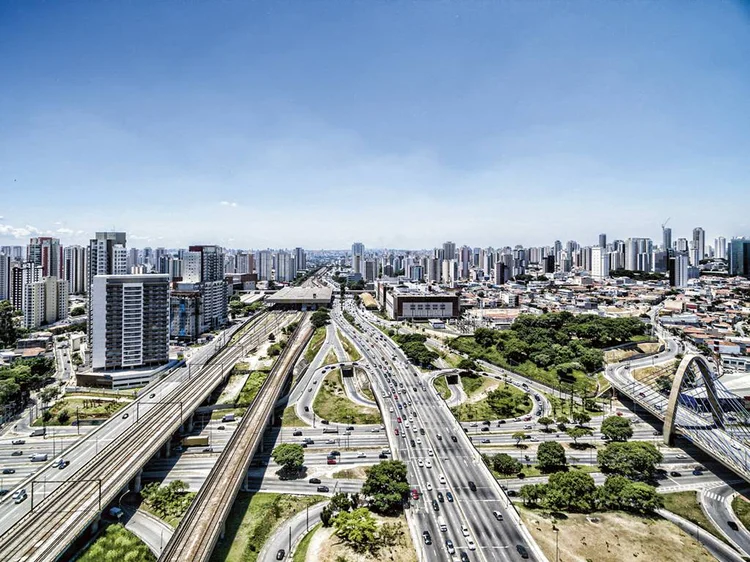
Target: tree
point(641, 498)
point(326, 515)
point(46, 416)
point(575, 433)
point(531, 494)
point(635, 460)
point(340, 502)
point(63, 417)
point(551, 456)
point(320, 317)
point(8, 333)
point(387, 486)
point(505, 464)
point(581, 417)
point(609, 495)
point(617, 428)
point(572, 491)
point(546, 422)
point(467, 365)
point(358, 528)
point(290, 456)
point(519, 436)
point(77, 311)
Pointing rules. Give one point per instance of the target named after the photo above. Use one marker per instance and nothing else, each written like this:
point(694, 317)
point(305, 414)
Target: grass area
point(685, 504)
point(474, 384)
point(612, 537)
point(252, 385)
point(351, 351)
point(604, 385)
point(117, 543)
point(290, 419)
point(300, 553)
point(516, 403)
point(63, 412)
point(741, 508)
point(316, 342)
point(668, 370)
point(367, 392)
point(332, 404)
point(561, 406)
point(167, 502)
point(330, 358)
point(441, 385)
point(218, 414)
point(253, 518)
point(397, 548)
point(642, 338)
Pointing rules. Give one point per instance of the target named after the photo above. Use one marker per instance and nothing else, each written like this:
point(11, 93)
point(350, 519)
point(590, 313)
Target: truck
point(195, 441)
point(330, 430)
point(441, 523)
point(38, 432)
point(38, 457)
point(228, 418)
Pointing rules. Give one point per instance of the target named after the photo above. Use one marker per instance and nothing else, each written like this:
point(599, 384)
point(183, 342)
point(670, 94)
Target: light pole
point(557, 550)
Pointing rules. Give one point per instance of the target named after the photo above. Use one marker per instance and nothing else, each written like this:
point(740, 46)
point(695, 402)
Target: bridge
point(692, 402)
point(63, 505)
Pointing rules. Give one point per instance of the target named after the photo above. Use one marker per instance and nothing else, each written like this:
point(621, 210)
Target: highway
point(454, 460)
point(103, 463)
point(203, 523)
point(716, 503)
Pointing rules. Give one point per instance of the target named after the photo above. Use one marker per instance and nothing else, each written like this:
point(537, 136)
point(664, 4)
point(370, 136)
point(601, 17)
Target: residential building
point(300, 259)
point(74, 269)
point(5, 269)
point(186, 312)
point(213, 287)
point(130, 321)
point(46, 252)
point(720, 248)
point(678, 270)
point(699, 244)
point(107, 256)
point(44, 302)
point(265, 265)
point(599, 263)
point(285, 267)
point(358, 257)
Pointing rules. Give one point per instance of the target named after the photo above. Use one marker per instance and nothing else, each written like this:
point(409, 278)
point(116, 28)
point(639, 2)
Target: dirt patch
point(615, 537)
point(358, 473)
point(331, 548)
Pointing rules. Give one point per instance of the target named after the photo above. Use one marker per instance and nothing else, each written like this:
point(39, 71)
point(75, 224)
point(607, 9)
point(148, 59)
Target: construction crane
point(664, 224)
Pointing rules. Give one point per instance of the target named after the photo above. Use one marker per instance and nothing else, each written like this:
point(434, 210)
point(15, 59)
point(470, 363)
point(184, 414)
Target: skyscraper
point(599, 263)
point(666, 234)
point(107, 256)
point(265, 265)
point(678, 270)
point(739, 257)
point(449, 250)
point(5, 265)
point(602, 240)
point(699, 243)
point(46, 252)
point(285, 267)
point(300, 258)
point(213, 288)
point(720, 248)
point(74, 269)
point(358, 257)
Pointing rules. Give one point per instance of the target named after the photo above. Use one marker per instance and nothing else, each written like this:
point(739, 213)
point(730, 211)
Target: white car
point(420, 463)
point(429, 452)
point(428, 464)
point(391, 408)
point(419, 441)
point(429, 486)
point(465, 530)
point(470, 543)
point(442, 479)
point(362, 456)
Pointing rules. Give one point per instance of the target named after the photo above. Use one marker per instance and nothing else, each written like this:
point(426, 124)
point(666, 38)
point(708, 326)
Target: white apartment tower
point(45, 302)
point(599, 263)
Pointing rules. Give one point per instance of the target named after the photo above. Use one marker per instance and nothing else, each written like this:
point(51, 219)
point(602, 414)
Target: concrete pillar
point(189, 423)
point(166, 450)
point(136, 488)
point(95, 525)
point(223, 530)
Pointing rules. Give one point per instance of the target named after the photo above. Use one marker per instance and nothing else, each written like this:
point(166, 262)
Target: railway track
point(44, 533)
point(202, 525)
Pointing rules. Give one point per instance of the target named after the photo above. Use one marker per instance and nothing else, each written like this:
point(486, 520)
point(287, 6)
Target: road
point(454, 460)
point(288, 535)
point(716, 503)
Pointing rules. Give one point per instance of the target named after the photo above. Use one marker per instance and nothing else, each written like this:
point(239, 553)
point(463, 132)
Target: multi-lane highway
point(440, 459)
point(102, 464)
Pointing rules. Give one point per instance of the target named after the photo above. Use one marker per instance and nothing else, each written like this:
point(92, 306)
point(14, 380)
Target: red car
point(415, 494)
point(331, 461)
point(395, 431)
point(398, 419)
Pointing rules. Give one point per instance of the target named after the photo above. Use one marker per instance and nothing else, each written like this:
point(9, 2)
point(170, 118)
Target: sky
point(398, 124)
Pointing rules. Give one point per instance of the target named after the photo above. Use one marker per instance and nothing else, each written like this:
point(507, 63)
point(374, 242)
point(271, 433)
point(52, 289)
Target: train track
point(202, 525)
point(45, 533)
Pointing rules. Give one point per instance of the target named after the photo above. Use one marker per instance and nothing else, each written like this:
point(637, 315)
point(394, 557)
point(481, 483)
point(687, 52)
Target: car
point(470, 543)
point(500, 422)
point(330, 441)
point(430, 452)
point(435, 505)
point(395, 431)
point(472, 486)
point(3, 492)
point(675, 474)
point(522, 552)
point(464, 530)
point(19, 442)
point(473, 424)
point(528, 427)
point(16, 453)
point(222, 428)
point(464, 557)
point(152, 395)
point(511, 493)
point(454, 438)
point(398, 419)
point(280, 554)
point(323, 489)
point(63, 464)
point(413, 444)
point(419, 441)
point(309, 390)
point(362, 456)
point(415, 494)
point(498, 515)
point(307, 408)
point(420, 463)
point(427, 538)
point(314, 481)
point(421, 431)
point(297, 433)
point(375, 430)
point(382, 456)
point(656, 433)
point(449, 497)
point(732, 525)
point(331, 460)
point(681, 456)
point(325, 422)
point(449, 546)
point(18, 493)
point(697, 472)
point(20, 498)
point(442, 479)
point(485, 428)
point(9, 471)
point(334, 454)
point(485, 440)
point(439, 437)
point(440, 497)
point(429, 486)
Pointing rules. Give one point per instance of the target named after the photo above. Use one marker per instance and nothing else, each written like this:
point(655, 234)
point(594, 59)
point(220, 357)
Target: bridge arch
point(704, 369)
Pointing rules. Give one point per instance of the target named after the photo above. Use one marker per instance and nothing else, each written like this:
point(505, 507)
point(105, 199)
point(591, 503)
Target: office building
point(602, 240)
point(411, 301)
point(74, 269)
point(300, 259)
point(371, 270)
point(44, 302)
point(47, 253)
point(130, 321)
point(739, 257)
point(678, 270)
point(666, 234)
point(720, 248)
point(358, 257)
point(449, 250)
point(212, 286)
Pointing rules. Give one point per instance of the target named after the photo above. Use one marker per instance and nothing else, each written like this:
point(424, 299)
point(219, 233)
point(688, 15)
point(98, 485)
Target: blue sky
point(400, 124)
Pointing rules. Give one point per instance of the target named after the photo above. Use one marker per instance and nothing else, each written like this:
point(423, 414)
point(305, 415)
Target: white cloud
point(228, 203)
point(65, 230)
point(18, 232)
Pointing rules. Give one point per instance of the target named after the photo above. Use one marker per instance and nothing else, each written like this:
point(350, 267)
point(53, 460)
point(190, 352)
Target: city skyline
point(513, 122)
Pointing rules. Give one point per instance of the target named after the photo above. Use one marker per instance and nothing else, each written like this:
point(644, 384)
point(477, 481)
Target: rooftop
point(320, 295)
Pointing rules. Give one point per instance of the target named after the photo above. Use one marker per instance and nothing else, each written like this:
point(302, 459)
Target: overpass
point(205, 521)
point(63, 505)
point(692, 402)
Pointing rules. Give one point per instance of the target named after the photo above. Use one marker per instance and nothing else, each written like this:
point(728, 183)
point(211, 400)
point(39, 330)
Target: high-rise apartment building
point(74, 269)
point(5, 269)
point(602, 240)
point(46, 252)
point(739, 257)
point(666, 235)
point(599, 263)
point(107, 256)
point(699, 244)
point(449, 250)
point(285, 268)
point(213, 288)
point(720, 248)
point(44, 302)
point(638, 254)
point(21, 276)
point(265, 265)
point(678, 270)
point(300, 258)
point(358, 257)
point(130, 321)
